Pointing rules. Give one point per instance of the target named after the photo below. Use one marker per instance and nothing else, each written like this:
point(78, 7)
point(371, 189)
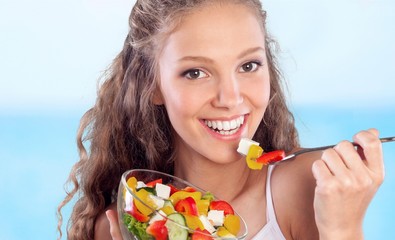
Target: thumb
point(115, 231)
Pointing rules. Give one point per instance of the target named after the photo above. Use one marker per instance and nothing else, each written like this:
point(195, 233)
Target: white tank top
point(271, 231)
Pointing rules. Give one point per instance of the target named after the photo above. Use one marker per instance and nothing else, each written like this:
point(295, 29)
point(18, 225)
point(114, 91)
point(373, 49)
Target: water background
point(37, 152)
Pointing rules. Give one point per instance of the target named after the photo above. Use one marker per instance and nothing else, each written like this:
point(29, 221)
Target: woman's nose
point(228, 93)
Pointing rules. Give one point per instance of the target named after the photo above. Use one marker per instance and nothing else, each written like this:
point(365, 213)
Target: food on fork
point(256, 158)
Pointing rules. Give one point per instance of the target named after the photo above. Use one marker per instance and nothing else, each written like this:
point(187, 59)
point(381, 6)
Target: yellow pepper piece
point(177, 196)
point(168, 210)
point(254, 152)
point(224, 233)
point(132, 183)
point(202, 206)
point(145, 197)
point(232, 224)
point(193, 222)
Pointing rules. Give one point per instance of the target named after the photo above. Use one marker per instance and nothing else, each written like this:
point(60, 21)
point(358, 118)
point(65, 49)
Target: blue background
point(338, 58)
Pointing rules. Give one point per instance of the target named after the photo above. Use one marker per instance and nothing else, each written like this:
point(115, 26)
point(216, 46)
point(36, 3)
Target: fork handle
point(306, 150)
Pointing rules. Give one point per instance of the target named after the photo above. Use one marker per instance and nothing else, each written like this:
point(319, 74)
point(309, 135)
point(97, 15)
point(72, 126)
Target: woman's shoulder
point(102, 225)
point(293, 187)
point(297, 172)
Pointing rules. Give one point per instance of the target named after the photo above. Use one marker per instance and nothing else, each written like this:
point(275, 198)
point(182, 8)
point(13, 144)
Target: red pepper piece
point(189, 189)
point(201, 235)
point(153, 183)
point(187, 205)
point(221, 205)
point(137, 214)
point(158, 230)
point(173, 189)
point(271, 157)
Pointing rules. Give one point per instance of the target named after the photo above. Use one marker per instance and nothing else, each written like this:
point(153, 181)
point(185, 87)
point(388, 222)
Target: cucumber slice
point(175, 231)
point(168, 204)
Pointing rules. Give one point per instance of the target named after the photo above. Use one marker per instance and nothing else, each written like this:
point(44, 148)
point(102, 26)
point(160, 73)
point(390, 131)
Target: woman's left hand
point(114, 225)
point(347, 179)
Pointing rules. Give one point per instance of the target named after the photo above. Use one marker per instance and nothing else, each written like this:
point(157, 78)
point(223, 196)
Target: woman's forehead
point(229, 27)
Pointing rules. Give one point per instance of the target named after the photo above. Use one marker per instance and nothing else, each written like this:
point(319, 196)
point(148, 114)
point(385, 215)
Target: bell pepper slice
point(193, 222)
point(201, 235)
point(132, 183)
point(177, 196)
point(203, 205)
point(189, 189)
point(232, 224)
point(224, 233)
point(154, 182)
point(137, 214)
point(173, 189)
point(254, 152)
point(221, 205)
point(271, 157)
point(168, 210)
point(187, 206)
point(145, 198)
point(158, 229)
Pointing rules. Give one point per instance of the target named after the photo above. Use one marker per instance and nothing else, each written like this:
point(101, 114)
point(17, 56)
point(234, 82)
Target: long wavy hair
point(125, 129)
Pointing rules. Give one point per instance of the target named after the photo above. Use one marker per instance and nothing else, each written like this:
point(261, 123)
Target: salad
point(256, 158)
point(160, 211)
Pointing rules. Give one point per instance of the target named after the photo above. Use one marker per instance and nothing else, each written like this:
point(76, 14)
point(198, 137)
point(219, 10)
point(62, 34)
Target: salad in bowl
point(156, 205)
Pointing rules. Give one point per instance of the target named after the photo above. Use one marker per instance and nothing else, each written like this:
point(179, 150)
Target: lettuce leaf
point(136, 227)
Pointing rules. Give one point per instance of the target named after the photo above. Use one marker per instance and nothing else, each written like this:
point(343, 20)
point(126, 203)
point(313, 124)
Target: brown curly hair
point(125, 130)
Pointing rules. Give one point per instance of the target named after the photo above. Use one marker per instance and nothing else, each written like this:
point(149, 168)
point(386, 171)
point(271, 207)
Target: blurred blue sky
point(338, 58)
point(334, 52)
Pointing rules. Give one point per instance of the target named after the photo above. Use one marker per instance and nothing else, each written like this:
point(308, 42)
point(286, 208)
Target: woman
point(193, 78)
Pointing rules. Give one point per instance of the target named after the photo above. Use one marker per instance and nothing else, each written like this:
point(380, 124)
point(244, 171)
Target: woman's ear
point(157, 97)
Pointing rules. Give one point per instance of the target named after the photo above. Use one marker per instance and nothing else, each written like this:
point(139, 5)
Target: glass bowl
point(148, 209)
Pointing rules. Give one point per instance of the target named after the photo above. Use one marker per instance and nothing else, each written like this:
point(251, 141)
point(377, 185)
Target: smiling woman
point(179, 97)
point(337, 55)
point(210, 83)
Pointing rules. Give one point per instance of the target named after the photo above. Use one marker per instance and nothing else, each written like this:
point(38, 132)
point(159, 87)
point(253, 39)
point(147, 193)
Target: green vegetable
point(208, 196)
point(136, 227)
point(148, 189)
point(176, 232)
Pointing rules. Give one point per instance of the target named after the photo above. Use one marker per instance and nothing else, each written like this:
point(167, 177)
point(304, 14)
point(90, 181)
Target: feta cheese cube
point(244, 145)
point(206, 224)
point(128, 201)
point(159, 202)
point(162, 190)
point(158, 216)
point(216, 217)
point(140, 184)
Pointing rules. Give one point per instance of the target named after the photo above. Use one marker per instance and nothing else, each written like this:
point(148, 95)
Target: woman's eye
point(194, 74)
point(250, 67)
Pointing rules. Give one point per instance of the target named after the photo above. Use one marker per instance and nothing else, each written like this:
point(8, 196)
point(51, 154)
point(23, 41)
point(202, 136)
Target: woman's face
point(214, 81)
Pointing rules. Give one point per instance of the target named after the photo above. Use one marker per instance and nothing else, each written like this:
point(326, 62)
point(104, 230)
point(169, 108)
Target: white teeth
point(219, 125)
point(233, 124)
point(225, 127)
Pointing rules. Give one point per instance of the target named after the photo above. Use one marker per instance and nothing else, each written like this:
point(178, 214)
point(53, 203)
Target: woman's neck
point(225, 181)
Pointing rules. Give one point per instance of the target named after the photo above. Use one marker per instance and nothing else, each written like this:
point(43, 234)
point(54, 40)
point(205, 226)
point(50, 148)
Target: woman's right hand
point(347, 179)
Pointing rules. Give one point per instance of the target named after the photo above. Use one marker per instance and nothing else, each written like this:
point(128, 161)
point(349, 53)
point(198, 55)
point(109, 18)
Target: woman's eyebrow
point(209, 60)
point(196, 59)
point(251, 50)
